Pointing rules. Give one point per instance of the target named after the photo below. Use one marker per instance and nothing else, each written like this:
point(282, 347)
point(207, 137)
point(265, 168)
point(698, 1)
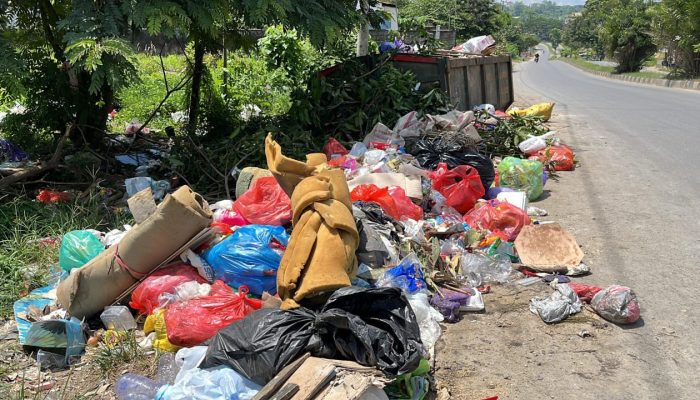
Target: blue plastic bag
point(219, 383)
point(250, 256)
point(408, 275)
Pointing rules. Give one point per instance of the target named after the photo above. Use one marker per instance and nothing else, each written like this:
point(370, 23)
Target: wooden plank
point(287, 392)
point(458, 87)
point(490, 84)
point(279, 380)
point(313, 375)
point(475, 86)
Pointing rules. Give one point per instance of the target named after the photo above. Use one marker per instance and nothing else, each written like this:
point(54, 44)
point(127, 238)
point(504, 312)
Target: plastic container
point(118, 318)
point(136, 387)
point(167, 369)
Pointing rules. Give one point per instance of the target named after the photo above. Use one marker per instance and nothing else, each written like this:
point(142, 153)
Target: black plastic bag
point(375, 327)
point(379, 239)
point(429, 152)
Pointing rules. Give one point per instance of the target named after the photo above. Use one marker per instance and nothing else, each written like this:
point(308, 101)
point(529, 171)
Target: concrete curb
point(669, 83)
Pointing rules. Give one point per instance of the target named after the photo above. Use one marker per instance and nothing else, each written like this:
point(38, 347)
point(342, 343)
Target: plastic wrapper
point(193, 321)
point(156, 323)
point(144, 298)
point(480, 268)
point(378, 244)
point(617, 304)
point(534, 144)
point(392, 200)
point(543, 110)
point(461, 186)
point(215, 384)
point(51, 197)
point(409, 125)
point(358, 150)
point(585, 292)
point(11, 152)
point(501, 218)
point(334, 149)
point(374, 327)
point(265, 203)
point(449, 303)
point(431, 152)
point(250, 256)
point(476, 45)
point(77, 248)
point(522, 175)
point(408, 275)
point(562, 156)
point(558, 306)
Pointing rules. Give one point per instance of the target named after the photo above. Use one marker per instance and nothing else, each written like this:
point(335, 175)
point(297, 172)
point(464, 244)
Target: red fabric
point(265, 203)
point(461, 186)
point(585, 292)
point(144, 299)
point(501, 218)
point(192, 322)
point(334, 149)
point(392, 200)
point(49, 197)
point(562, 156)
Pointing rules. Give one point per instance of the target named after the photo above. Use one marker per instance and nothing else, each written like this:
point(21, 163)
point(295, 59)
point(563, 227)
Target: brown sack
point(98, 283)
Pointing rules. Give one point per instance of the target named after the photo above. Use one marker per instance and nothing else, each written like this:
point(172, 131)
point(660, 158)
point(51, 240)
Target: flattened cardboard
point(548, 248)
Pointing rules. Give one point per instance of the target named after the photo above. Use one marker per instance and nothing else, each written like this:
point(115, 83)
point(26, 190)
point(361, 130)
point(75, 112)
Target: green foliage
point(503, 139)
point(468, 17)
point(676, 26)
point(626, 33)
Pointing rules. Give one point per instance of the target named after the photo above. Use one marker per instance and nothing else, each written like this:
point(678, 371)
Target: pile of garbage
point(324, 278)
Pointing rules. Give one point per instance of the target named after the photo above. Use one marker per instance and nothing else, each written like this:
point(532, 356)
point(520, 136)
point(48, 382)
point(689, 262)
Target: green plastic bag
point(524, 175)
point(77, 248)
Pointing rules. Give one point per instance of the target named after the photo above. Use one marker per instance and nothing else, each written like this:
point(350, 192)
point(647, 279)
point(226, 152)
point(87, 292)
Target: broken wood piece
point(312, 376)
point(286, 393)
point(279, 380)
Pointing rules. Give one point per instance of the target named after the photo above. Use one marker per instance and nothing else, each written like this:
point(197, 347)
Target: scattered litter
point(558, 306)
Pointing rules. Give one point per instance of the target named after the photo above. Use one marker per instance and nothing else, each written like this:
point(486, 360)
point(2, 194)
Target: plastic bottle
point(136, 387)
point(167, 369)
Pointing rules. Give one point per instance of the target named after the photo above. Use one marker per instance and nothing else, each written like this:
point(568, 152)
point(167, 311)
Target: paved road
point(635, 207)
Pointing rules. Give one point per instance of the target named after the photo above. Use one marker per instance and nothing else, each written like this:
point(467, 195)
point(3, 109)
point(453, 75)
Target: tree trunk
point(197, 71)
point(91, 118)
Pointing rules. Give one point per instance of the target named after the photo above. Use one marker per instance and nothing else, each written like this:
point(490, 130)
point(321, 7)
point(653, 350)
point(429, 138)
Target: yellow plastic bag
point(537, 110)
point(156, 322)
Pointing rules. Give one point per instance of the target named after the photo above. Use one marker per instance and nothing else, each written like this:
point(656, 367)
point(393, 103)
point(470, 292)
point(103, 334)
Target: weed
point(120, 349)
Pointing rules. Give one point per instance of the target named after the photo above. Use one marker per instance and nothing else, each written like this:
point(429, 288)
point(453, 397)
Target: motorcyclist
point(537, 57)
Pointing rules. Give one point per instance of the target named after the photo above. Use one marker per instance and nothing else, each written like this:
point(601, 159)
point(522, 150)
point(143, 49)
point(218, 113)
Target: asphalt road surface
point(634, 206)
point(636, 203)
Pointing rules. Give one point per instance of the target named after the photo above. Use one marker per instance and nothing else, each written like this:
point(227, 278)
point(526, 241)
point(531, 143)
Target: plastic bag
point(476, 45)
point(375, 327)
point(480, 268)
point(265, 203)
point(428, 319)
point(51, 197)
point(501, 218)
point(144, 299)
point(617, 304)
point(585, 292)
point(156, 323)
point(558, 306)
point(393, 201)
point(77, 248)
point(562, 156)
point(543, 110)
point(250, 256)
point(461, 186)
point(523, 175)
point(408, 275)
point(334, 149)
point(215, 384)
point(430, 152)
point(409, 125)
point(450, 303)
point(193, 321)
point(534, 144)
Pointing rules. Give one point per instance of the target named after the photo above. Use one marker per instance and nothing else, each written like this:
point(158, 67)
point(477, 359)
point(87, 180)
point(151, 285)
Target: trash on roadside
point(392, 200)
point(265, 203)
point(139, 183)
point(585, 292)
point(501, 218)
point(523, 175)
point(78, 248)
point(118, 318)
point(534, 144)
point(543, 110)
point(52, 197)
point(561, 157)
point(484, 45)
point(548, 248)
point(558, 306)
point(461, 186)
point(57, 336)
point(408, 276)
point(617, 304)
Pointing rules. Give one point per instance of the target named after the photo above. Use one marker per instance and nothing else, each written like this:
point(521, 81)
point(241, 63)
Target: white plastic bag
point(536, 143)
point(428, 319)
point(211, 384)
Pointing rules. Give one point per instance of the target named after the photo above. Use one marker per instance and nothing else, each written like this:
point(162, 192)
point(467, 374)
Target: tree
point(555, 37)
point(676, 27)
point(626, 32)
point(468, 17)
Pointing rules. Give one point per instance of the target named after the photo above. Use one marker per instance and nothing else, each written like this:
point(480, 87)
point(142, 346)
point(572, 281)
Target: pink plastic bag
point(392, 200)
point(501, 218)
point(144, 299)
point(461, 186)
point(265, 203)
point(617, 304)
point(334, 149)
point(192, 322)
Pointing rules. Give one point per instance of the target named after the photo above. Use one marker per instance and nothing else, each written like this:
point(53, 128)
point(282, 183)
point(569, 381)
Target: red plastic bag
point(265, 203)
point(49, 197)
point(562, 156)
point(392, 200)
point(334, 149)
point(145, 296)
point(191, 322)
point(461, 186)
point(585, 292)
point(617, 304)
point(501, 218)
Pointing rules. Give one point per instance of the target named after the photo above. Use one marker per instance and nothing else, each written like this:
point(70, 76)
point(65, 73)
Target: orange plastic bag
point(562, 156)
point(334, 149)
point(501, 218)
point(392, 200)
point(265, 203)
point(461, 186)
point(191, 322)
